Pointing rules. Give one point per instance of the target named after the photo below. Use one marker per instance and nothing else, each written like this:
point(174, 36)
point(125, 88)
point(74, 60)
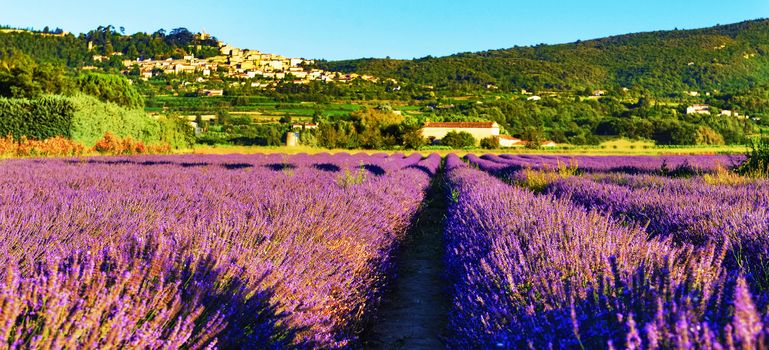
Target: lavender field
point(192, 251)
point(612, 252)
point(307, 251)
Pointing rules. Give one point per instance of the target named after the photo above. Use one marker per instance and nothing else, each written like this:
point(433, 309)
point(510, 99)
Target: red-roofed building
point(479, 130)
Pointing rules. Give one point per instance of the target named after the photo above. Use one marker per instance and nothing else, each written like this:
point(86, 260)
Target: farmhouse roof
point(461, 125)
point(508, 137)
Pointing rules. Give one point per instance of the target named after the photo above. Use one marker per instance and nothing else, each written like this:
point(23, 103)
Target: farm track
point(413, 314)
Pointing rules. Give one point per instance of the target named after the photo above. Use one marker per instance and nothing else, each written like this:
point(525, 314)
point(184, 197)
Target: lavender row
point(694, 212)
point(533, 271)
point(689, 210)
point(754, 191)
point(200, 251)
point(625, 164)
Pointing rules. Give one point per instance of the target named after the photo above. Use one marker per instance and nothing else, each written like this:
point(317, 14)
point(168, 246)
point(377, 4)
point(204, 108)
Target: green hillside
point(723, 57)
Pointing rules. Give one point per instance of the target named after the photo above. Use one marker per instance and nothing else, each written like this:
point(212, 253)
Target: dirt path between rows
point(414, 313)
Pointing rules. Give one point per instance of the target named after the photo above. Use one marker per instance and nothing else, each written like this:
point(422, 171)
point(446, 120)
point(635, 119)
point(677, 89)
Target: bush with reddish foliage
point(114, 145)
point(52, 147)
point(7, 146)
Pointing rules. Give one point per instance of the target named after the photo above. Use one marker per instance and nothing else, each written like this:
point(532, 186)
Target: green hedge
point(86, 119)
point(37, 119)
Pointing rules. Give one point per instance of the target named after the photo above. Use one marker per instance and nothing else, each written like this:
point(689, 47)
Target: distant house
point(599, 92)
point(304, 126)
point(698, 109)
point(533, 98)
point(509, 141)
point(295, 62)
point(548, 144)
point(479, 130)
point(184, 68)
point(215, 92)
point(276, 64)
point(729, 113)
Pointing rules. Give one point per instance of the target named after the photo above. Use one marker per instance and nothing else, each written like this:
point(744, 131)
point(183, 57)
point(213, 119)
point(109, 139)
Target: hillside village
point(264, 68)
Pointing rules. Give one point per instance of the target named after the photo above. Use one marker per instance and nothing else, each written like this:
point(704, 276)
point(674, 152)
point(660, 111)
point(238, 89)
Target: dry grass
point(723, 176)
point(538, 179)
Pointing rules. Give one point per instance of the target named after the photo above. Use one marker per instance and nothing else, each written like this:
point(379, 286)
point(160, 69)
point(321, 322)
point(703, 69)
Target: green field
point(252, 105)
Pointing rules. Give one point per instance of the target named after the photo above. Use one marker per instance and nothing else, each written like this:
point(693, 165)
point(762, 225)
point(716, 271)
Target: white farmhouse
point(479, 130)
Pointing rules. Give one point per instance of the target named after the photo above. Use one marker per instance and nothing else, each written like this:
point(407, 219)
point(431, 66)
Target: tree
point(111, 88)
point(674, 132)
point(179, 37)
point(20, 76)
point(413, 139)
point(533, 137)
point(708, 136)
point(459, 139)
point(371, 138)
point(491, 142)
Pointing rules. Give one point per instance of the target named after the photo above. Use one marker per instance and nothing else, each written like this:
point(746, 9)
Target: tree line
point(73, 50)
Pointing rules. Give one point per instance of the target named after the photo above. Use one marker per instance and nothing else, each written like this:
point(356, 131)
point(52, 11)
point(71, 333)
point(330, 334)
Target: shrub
point(7, 146)
point(175, 132)
point(93, 118)
point(52, 147)
point(491, 142)
point(460, 139)
point(414, 140)
point(113, 145)
point(756, 163)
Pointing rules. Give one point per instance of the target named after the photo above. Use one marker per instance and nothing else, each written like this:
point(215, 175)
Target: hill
point(731, 56)
point(79, 50)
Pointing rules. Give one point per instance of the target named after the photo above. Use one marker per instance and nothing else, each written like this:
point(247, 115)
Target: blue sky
point(339, 29)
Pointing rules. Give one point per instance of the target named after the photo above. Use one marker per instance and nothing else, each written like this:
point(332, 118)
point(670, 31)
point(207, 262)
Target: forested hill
point(58, 47)
point(721, 57)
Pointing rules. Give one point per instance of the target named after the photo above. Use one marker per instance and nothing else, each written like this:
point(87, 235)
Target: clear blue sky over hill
point(338, 29)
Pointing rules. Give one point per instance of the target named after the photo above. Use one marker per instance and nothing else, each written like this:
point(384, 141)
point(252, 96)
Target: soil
point(414, 313)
